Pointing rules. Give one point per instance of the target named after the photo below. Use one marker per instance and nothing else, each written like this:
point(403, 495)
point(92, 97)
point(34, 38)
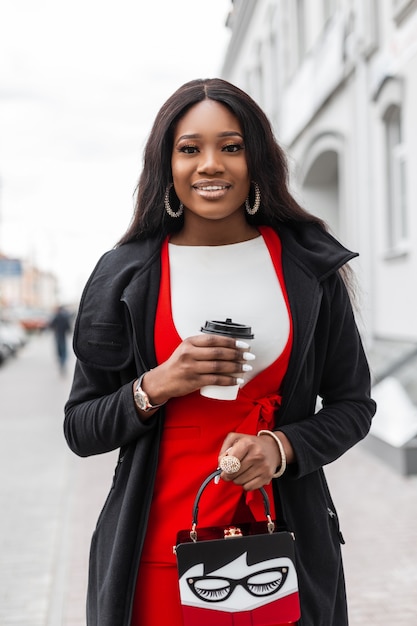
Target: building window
point(402, 9)
point(329, 7)
point(301, 29)
point(397, 227)
point(255, 76)
point(371, 15)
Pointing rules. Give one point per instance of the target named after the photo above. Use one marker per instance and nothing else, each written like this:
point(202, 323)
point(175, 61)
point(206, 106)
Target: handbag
point(240, 575)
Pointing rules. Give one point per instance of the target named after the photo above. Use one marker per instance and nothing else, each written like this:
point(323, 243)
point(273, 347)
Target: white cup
point(226, 329)
point(218, 392)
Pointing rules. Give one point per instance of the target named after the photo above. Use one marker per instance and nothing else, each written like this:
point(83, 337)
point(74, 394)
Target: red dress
point(194, 431)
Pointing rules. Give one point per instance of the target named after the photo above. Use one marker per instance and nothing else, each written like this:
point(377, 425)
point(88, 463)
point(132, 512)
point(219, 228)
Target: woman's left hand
point(259, 458)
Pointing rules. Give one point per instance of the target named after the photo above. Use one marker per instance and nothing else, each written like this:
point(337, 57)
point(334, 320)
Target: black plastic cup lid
point(227, 328)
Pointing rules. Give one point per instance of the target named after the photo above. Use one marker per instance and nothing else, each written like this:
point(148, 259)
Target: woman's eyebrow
point(227, 133)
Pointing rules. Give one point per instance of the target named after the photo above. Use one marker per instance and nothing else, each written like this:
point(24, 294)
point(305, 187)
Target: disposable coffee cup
point(226, 329)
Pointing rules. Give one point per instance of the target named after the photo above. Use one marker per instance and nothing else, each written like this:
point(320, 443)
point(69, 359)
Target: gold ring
point(230, 464)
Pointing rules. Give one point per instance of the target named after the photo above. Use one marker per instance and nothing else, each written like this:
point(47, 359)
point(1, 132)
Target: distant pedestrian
point(61, 326)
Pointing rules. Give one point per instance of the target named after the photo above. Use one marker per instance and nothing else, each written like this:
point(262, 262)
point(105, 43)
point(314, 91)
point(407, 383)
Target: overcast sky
point(80, 84)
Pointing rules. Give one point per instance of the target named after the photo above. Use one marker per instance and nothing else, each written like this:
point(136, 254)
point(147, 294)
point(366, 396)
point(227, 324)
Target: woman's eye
point(233, 147)
point(188, 149)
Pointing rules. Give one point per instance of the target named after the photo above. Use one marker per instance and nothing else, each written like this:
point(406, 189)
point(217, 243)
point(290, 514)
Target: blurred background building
point(27, 293)
point(338, 80)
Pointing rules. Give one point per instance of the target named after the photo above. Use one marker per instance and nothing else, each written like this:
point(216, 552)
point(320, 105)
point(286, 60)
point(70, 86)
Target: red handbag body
point(239, 575)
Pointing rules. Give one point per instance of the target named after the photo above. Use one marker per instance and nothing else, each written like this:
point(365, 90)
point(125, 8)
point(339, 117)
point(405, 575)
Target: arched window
point(396, 190)
point(321, 181)
point(301, 30)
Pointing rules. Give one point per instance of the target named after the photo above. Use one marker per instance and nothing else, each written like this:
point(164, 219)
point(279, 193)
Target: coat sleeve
point(339, 369)
point(100, 414)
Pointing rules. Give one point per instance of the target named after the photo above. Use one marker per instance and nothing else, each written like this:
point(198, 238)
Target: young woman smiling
point(215, 235)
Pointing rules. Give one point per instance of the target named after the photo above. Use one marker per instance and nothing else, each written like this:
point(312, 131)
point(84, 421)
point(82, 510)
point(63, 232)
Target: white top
point(236, 281)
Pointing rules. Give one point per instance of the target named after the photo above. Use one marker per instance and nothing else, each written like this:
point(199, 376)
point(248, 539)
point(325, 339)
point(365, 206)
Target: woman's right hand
point(198, 361)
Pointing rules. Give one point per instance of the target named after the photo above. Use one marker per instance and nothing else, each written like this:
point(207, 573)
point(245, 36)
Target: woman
point(215, 235)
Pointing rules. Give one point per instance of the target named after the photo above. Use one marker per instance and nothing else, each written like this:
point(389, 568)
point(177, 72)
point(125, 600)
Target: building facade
point(338, 80)
point(24, 287)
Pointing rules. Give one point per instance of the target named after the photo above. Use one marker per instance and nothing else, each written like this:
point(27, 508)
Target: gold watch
point(142, 398)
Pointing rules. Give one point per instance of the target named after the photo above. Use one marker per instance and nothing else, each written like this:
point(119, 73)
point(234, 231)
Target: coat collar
point(314, 249)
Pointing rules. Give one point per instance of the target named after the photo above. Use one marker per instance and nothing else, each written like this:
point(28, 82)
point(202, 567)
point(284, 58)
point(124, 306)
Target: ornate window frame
point(389, 100)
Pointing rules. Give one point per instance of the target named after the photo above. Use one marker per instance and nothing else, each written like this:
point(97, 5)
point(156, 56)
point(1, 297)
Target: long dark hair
point(266, 161)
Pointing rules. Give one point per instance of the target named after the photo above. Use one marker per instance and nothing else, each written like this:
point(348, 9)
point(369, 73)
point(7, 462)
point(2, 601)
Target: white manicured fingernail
point(242, 344)
point(246, 367)
point(248, 356)
point(239, 381)
point(217, 479)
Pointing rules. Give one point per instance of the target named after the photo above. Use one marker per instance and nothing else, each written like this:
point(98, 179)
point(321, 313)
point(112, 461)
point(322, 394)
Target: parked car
point(13, 333)
point(12, 338)
point(33, 319)
point(4, 353)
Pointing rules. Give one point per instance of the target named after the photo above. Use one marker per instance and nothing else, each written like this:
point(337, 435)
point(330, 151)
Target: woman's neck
point(213, 233)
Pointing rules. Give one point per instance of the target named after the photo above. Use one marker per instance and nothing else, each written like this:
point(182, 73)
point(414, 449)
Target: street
point(50, 500)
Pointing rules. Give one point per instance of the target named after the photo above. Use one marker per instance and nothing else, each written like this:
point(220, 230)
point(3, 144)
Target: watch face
point(141, 399)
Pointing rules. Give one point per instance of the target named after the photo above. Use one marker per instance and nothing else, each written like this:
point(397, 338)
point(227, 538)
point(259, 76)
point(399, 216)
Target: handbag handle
point(217, 472)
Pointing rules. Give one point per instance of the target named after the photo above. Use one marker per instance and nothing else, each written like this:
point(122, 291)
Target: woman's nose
point(210, 162)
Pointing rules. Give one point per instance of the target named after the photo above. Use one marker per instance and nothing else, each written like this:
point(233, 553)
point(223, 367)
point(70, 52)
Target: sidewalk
point(50, 500)
point(378, 512)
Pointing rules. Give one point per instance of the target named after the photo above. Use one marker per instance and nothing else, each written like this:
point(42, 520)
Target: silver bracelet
point(283, 466)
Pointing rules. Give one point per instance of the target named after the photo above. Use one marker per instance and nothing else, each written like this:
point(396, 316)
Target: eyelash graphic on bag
point(225, 589)
point(219, 588)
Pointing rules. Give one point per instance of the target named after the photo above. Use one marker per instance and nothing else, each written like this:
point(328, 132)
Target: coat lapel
point(309, 256)
point(304, 311)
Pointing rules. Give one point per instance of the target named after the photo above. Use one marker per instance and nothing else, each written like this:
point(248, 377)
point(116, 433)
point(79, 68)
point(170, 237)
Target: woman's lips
point(211, 191)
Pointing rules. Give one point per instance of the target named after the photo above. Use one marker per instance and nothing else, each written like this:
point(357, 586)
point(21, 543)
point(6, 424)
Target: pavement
point(50, 500)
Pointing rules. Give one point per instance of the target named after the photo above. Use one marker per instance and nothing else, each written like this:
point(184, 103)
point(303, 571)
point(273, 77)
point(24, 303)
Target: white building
point(338, 80)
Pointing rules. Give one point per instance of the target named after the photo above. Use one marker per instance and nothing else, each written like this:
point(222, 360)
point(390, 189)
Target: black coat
point(113, 341)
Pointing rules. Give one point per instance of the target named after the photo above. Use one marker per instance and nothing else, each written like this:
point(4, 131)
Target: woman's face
point(209, 168)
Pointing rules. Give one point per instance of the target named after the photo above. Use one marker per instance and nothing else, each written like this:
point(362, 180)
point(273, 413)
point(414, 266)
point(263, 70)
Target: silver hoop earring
point(252, 210)
point(167, 205)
